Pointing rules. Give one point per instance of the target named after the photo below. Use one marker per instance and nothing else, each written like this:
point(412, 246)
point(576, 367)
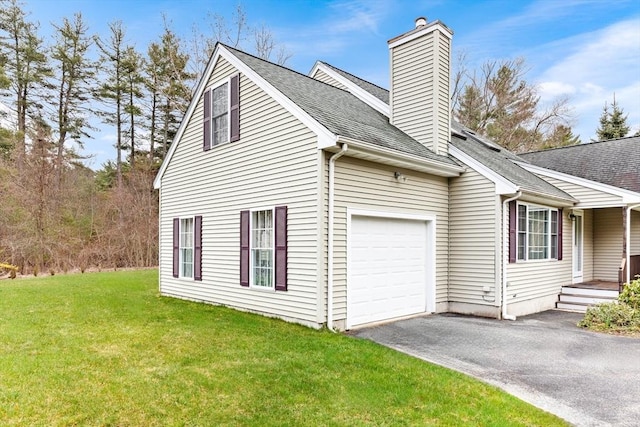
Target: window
point(262, 249)
point(187, 247)
point(538, 233)
point(221, 118)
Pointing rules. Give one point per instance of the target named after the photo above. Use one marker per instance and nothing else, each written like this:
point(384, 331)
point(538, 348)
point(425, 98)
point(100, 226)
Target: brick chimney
point(420, 78)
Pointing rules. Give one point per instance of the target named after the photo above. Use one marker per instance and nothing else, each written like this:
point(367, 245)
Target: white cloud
point(597, 65)
point(550, 90)
point(343, 24)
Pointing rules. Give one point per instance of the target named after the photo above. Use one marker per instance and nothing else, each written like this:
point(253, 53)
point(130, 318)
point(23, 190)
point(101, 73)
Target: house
point(327, 200)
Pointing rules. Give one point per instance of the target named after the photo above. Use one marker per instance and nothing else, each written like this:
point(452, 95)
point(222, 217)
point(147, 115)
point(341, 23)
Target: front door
point(577, 247)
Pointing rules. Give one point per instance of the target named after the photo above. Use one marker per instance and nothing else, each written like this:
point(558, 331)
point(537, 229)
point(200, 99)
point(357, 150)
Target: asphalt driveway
point(587, 378)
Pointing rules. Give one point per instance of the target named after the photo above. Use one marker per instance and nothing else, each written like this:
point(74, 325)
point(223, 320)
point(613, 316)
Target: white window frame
point(272, 248)
point(227, 82)
point(549, 232)
point(182, 248)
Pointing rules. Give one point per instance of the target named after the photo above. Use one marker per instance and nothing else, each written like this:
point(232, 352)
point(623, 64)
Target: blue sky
point(586, 49)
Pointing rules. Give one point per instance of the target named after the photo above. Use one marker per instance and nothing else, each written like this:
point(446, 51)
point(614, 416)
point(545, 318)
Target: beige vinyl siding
point(586, 196)
point(635, 233)
point(326, 78)
point(472, 239)
point(607, 237)
point(420, 89)
point(531, 280)
point(274, 163)
point(587, 245)
point(370, 186)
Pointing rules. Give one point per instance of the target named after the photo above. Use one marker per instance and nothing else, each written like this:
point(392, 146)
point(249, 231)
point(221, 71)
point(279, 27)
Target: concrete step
point(571, 307)
point(584, 299)
point(599, 293)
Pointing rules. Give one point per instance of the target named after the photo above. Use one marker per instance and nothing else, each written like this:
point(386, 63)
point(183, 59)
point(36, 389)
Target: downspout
point(332, 162)
point(628, 239)
point(505, 256)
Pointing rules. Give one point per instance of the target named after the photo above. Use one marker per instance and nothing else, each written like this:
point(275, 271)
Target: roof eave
point(628, 196)
point(502, 185)
point(375, 153)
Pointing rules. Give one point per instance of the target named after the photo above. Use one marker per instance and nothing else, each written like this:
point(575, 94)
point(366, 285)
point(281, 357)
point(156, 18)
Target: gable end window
point(263, 248)
point(221, 113)
point(187, 248)
point(538, 233)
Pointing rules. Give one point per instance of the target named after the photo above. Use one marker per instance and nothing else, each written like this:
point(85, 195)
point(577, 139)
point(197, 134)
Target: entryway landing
point(596, 284)
point(579, 296)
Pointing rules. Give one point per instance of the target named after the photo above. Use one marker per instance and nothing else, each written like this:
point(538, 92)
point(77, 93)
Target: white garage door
point(387, 271)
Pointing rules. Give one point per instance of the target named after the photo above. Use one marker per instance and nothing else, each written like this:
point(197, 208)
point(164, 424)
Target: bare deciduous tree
point(496, 101)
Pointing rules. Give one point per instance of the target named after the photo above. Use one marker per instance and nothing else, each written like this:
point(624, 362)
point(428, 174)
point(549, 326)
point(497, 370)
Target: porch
point(605, 246)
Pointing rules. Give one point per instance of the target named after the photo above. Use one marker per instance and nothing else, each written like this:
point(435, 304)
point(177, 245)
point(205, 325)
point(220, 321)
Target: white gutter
point(505, 256)
point(332, 162)
point(628, 240)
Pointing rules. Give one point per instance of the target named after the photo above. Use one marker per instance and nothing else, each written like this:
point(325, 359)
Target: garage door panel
point(387, 269)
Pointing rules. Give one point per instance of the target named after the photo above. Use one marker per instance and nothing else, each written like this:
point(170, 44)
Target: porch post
point(625, 241)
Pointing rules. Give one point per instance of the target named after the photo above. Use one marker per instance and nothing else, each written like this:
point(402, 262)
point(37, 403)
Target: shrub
point(631, 294)
point(610, 315)
point(620, 316)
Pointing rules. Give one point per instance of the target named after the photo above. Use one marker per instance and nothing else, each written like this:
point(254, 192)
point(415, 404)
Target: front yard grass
point(106, 349)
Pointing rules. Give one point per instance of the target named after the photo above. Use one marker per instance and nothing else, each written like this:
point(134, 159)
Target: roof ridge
point(283, 67)
point(353, 75)
point(582, 144)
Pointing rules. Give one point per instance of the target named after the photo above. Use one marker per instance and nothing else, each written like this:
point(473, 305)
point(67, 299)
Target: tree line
point(56, 214)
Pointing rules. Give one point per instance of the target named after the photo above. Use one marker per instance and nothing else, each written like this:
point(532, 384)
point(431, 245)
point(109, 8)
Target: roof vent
point(421, 22)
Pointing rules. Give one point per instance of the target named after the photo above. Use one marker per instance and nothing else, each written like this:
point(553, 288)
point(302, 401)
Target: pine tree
point(613, 124)
point(561, 136)
point(26, 66)
point(168, 87)
point(112, 90)
point(132, 66)
point(74, 74)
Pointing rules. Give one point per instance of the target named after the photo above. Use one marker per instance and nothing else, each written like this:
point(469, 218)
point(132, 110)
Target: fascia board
point(387, 156)
point(355, 90)
point(187, 116)
point(627, 196)
point(326, 138)
point(502, 185)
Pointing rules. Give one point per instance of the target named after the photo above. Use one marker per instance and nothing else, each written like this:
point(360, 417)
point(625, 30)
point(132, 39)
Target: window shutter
point(176, 247)
point(281, 248)
point(513, 223)
point(244, 248)
point(234, 111)
point(197, 253)
point(560, 234)
point(206, 121)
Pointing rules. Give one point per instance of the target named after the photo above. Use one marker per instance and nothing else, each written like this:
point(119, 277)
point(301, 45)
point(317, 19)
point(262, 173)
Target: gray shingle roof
point(614, 162)
point(501, 161)
point(380, 93)
point(338, 110)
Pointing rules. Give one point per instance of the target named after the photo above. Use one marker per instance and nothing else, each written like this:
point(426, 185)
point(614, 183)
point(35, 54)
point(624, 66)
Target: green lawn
point(106, 349)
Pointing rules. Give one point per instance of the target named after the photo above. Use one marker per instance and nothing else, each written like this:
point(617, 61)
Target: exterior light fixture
point(399, 177)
